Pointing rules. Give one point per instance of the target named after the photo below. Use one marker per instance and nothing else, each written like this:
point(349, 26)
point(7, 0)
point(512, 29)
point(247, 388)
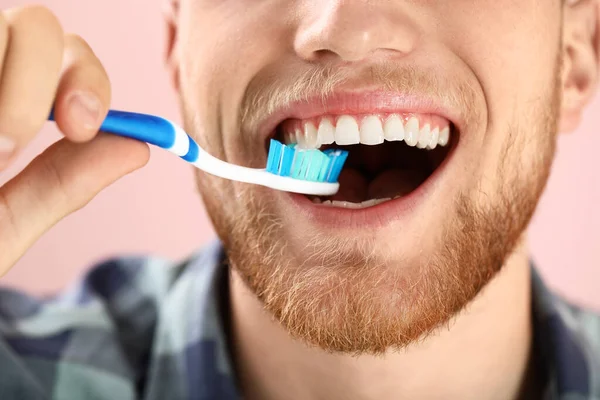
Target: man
point(413, 282)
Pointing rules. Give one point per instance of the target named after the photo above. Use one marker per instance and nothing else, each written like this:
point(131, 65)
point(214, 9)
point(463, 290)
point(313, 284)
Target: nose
point(354, 30)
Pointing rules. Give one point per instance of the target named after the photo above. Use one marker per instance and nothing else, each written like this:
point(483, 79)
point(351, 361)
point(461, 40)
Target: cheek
point(512, 49)
point(223, 48)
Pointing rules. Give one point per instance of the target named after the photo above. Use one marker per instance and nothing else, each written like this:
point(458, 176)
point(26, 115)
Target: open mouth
point(390, 155)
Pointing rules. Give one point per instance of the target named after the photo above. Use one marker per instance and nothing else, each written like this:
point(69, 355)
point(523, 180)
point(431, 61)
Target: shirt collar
point(559, 347)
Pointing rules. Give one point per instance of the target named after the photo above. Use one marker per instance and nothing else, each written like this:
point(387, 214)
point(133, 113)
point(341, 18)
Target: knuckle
point(55, 179)
point(85, 63)
point(85, 55)
point(75, 41)
point(68, 187)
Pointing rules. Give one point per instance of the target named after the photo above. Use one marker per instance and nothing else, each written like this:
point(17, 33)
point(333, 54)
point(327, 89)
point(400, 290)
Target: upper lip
point(357, 102)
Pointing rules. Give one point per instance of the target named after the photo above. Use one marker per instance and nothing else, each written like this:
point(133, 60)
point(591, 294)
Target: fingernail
point(85, 110)
point(7, 149)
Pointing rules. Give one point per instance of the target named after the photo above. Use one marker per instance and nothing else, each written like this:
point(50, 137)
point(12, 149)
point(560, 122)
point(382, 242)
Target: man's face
point(364, 277)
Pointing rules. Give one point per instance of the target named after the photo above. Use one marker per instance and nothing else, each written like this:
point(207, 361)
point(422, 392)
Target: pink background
point(157, 210)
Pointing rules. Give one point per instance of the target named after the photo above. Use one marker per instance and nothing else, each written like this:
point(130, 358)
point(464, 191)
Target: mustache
point(267, 93)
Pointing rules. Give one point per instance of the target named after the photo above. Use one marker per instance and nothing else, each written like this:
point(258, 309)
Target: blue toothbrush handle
point(146, 128)
point(150, 129)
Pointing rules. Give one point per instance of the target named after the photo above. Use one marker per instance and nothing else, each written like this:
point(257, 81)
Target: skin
point(438, 281)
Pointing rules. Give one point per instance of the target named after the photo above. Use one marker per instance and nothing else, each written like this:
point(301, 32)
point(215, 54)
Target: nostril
point(355, 31)
point(324, 55)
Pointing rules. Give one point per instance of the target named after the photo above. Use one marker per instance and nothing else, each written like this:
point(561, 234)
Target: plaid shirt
point(140, 328)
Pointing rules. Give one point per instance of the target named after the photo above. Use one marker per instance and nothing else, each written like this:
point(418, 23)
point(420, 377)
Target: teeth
point(424, 137)
point(310, 136)
point(444, 136)
point(435, 136)
point(290, 138)
point(412, 132)
point(394, 128)
point(346, 131)
point(371, 131)
point(341, 204)
point(348, 204)
point(300, 138)
point(374, 202)
point(326, 132)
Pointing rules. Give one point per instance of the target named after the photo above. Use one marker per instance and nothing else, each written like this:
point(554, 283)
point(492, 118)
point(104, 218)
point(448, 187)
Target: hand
point(41, 66)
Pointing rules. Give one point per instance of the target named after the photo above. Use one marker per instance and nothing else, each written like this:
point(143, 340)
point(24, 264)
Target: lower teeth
point(348, 204)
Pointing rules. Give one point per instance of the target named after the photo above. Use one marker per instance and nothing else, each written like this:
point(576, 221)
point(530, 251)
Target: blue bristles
point(306, 164)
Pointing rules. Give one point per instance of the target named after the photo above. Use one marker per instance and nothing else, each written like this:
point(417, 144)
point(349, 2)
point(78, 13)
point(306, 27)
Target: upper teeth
point(347, 131)
point(369, 130)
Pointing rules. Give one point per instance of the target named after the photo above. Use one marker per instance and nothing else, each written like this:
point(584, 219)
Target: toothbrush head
point(310, 165)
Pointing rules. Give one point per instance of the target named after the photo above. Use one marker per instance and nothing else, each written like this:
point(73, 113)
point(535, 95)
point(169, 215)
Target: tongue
point(394, 182)
point(355, 188)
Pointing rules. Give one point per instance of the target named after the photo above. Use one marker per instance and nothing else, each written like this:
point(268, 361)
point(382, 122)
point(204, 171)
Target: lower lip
point(377, 216)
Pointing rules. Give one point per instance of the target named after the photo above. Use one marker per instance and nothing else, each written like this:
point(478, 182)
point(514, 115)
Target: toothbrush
point(289, 168)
